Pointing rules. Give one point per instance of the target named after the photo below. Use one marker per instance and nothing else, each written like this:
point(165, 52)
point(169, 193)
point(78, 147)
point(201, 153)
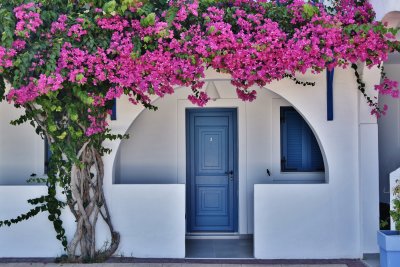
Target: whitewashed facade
point(333, 214)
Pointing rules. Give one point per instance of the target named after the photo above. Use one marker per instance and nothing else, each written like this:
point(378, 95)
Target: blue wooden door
point(211, 170)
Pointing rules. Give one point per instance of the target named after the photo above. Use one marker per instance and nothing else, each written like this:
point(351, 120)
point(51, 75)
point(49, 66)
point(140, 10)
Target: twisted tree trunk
point(88, 202)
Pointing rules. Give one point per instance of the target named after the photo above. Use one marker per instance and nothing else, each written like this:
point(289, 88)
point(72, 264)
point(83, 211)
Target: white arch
point(392, 18)
point(382, 7)
point(215, 77)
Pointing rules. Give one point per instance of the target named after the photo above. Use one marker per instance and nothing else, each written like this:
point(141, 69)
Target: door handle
point(230, 175)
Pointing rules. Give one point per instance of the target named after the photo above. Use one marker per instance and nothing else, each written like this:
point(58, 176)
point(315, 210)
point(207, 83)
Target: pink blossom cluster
point(77, 30)
point(28, 19)
point(59, 25)
point(151, 56)
point(98, 124)
point(350, 12)
point(36, 88)
point(6, 57)
point(19, 45)
point(388, 87)
point(115, 23)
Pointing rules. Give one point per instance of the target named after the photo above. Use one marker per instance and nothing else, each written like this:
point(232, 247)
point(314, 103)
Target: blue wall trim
point(329, 94)
point(114, 110)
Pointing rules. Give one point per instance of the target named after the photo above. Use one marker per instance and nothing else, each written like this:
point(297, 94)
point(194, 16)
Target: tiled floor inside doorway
point(219, 248)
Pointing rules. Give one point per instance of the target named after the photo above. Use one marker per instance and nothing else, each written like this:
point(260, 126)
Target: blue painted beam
point(329, 94)
point(114, 110)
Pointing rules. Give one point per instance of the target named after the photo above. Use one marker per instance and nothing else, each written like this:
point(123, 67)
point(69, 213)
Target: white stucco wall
point(347, 203)
point(314, 222)
point(21, 149)
point(149, 218)
point(33, 238)
point(389, 136)
point(158, 144)
point(350, 147)
point(352, 188)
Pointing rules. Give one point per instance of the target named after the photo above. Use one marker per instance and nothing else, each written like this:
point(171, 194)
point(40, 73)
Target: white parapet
point(394, 180)
point(149, 218)
point(303, 221)
point(33, 238)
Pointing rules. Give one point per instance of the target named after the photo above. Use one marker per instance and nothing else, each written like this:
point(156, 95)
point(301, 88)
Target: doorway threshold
point(217, 235)
point(220, 248)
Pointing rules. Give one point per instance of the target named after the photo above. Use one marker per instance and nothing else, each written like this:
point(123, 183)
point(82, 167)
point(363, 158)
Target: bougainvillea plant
point(66, 61)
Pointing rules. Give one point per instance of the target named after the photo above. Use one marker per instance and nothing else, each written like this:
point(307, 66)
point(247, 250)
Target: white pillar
point(394, 178)
point(368, 165)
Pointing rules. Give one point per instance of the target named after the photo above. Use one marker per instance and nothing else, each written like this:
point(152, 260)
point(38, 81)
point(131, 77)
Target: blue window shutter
point(316, 160)
point(292, 141)
point(299, 148)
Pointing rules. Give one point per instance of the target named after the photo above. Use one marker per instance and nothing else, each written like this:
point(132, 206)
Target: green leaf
point(62, 136)
point(74, 117)
point(171, 14)
point(79, 77)
point(123, 8)
point(149, 20)
point(309, 10)
point(52, 128)
point(109, 7)
point(211, 29)
point(146, 39)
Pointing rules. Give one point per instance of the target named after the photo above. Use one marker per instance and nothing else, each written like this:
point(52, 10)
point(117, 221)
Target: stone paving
point(27, 264)
point(133, 262)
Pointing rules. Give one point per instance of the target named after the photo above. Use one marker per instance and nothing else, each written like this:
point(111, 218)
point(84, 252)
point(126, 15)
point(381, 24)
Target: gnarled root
point(88, 202)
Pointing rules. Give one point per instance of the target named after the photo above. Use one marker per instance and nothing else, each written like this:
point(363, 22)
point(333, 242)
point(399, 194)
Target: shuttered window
point(300, 151)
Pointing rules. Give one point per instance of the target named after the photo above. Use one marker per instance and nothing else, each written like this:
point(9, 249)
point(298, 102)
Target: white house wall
point(339, 210)
point(21, 149)
point(151, 156)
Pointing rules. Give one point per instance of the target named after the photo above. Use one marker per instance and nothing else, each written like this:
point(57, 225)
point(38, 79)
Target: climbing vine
point(66, 61)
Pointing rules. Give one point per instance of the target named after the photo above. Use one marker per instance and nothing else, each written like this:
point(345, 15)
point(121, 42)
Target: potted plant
point(389, 240)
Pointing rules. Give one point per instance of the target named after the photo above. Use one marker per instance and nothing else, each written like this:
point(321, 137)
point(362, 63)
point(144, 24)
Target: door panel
point(211, 136)
point(210, 146)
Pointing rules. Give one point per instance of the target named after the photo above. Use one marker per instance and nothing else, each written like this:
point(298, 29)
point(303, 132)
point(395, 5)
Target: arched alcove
point(146, 156)
point(153, 153)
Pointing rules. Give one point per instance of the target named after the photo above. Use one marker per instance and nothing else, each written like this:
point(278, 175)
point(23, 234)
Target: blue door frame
point(211, 168)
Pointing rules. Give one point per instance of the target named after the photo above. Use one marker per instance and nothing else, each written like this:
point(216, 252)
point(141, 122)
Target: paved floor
point(134, 262)
point(199, 253)
point(164, 265)
point(371, 260)
point(219, 248)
